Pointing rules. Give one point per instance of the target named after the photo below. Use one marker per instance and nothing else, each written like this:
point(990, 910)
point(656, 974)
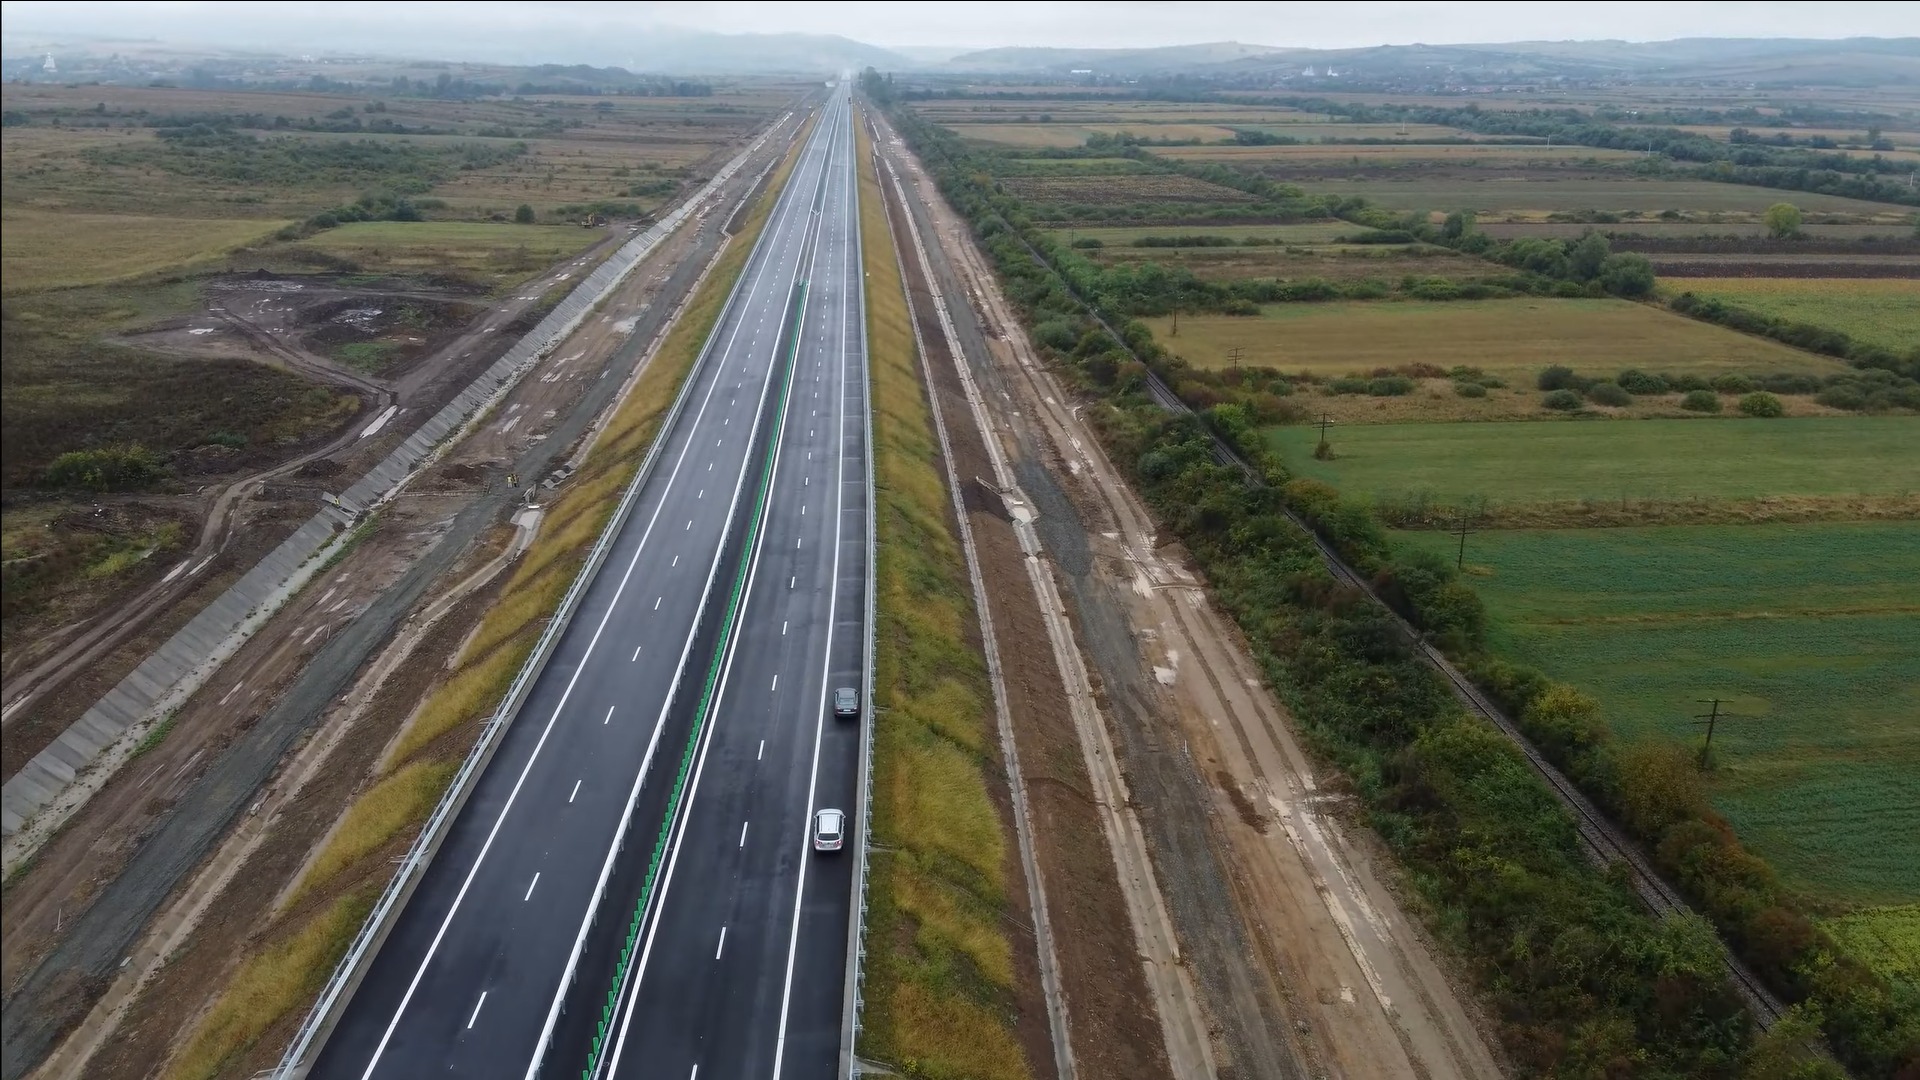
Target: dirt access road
point(1284, 915)
point(146, 835)
point(265, 318)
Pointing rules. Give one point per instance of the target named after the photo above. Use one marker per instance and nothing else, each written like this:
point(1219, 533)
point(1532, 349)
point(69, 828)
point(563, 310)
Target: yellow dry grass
point(42, 249)
point(386, 810)
point(268, 985)
point(939, 961)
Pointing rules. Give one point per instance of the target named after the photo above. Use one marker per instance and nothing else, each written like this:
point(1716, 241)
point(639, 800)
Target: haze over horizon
point(574, 32)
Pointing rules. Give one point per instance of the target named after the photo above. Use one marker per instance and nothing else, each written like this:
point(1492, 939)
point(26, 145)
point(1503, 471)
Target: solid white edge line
point(513, 795)
point(559, 999)
point(530, 885)
point(833, 598)
point(630, 994)
point(476, 1010)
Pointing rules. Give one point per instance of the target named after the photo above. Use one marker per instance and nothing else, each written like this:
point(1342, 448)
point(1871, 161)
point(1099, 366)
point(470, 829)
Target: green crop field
point(1515, 338)
point(1495, 199)
point(1319, 232)
point(1879, 311)
point(1551, 460)
point(1810, 633)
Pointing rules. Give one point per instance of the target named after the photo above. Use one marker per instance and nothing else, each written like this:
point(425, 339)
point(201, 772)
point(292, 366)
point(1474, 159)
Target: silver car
point(829, 830)
point(846, 703)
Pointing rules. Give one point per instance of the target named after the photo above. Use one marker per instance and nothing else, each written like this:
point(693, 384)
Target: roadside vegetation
point(939, 989)
point(313, 929)
point(1580, 979)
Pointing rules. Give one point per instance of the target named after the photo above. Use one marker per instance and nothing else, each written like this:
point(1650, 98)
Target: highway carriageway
point(630, 889)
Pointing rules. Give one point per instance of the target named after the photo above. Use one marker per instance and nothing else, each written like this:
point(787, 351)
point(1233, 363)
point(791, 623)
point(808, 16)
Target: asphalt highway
point(669, 757)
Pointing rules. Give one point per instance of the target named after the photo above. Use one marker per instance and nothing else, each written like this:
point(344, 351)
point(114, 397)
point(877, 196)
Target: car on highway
point(829, 830)
point(846, 703)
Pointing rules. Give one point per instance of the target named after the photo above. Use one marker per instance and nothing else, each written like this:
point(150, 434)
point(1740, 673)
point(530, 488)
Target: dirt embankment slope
point(1285, 914)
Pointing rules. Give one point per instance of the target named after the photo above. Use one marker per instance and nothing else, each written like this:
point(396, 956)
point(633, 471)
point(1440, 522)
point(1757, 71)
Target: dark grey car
point(846, 703)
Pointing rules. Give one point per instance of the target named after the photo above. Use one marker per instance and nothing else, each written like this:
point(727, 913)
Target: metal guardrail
point(854, 1001)
point(400, 886)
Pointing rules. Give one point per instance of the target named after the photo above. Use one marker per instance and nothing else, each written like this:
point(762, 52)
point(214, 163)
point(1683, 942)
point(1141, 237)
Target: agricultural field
point(1650, 228)
point(44, 249)
point(1062, 135)
point(1371, 154)
point(1538, 196)
point(1512, 338)
point(1806, 632)
point(1551, 461)
point(1883, 312)
point(1316, 232)
point(502, 255)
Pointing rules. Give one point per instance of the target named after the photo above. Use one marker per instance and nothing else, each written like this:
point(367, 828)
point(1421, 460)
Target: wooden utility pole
point(1234, 354)
point(1711, 718)
point(1460, 560)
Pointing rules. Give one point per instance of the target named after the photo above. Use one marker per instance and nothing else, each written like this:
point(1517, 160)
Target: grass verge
point(939, 988)
point(270, 984)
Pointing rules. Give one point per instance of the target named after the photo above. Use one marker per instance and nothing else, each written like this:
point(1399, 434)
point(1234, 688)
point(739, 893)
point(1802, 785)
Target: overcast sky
point(462, 30)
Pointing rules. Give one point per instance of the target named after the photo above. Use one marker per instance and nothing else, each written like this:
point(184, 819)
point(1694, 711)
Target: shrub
point(1563, 400)
point(1704, 401)
point(1088, 242)
point(1349, 385)
point(1606, 393)
point(523, 214)
point(1842, 396)
point(1761, 404)
point(1557, 378)
point(1731, 383)
point(1470, 389)
point(1390, 386)
point(110, 468)
point(1687, 384)
point(1640, 382)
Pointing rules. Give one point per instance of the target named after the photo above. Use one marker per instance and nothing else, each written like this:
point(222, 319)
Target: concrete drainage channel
point(57, 781)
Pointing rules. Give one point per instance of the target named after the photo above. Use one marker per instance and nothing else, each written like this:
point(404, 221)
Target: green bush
point(1470, 389)
point(1557, 378)
point(1687, 384)
point(1563, 400)
point(1390, 386)
point(1640, 382)
point(1606, 393)
point(1733, 383)
point(523, 214)
point(1703, 401)
point(1088, 242)
point(110, 468)
point(1762, 404)
point(1348, 385)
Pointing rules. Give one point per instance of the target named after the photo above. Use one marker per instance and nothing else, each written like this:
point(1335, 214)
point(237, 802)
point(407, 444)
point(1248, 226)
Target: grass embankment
point(1806, 632)
point(1875, 311)
point(1502, 337)
point(301, 951)
point(939, 962)
point(45, 250)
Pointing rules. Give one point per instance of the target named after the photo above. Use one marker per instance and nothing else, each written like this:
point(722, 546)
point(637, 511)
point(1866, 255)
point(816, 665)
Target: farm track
point(1603, 841)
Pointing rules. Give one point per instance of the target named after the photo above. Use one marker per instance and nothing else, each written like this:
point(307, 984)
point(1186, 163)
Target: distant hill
point(1044, 61)
point(1879, 61)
